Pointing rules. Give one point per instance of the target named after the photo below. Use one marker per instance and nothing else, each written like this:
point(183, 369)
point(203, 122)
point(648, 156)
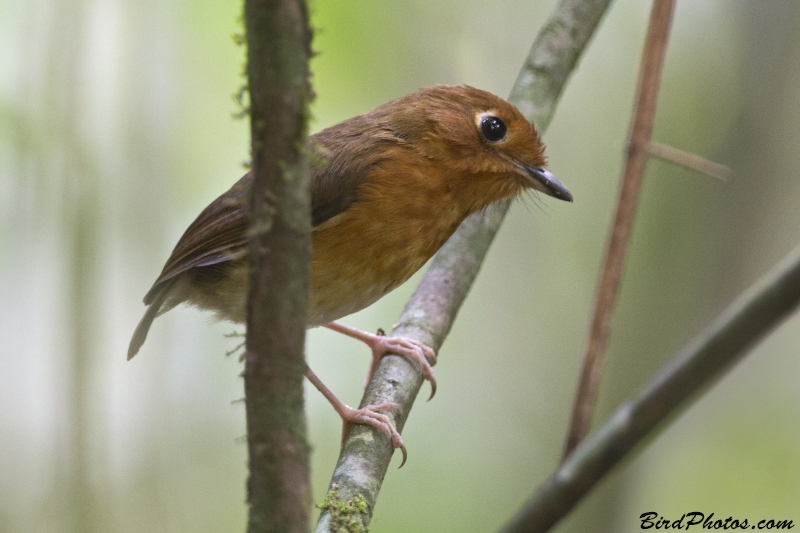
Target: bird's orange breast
point(402, 216)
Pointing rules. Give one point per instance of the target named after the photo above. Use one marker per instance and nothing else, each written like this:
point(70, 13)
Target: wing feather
point(218, 234)
point(344, 156)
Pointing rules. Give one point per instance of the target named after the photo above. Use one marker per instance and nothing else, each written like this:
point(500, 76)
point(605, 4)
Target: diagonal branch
point(724, 342)
point(641, 129)
point(278, 48)
point(432, 309)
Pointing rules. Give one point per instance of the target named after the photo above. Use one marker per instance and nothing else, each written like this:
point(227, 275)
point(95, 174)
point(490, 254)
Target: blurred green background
point(116, 130)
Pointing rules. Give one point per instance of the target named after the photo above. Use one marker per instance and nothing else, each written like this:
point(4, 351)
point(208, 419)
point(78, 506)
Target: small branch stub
point(688, 160)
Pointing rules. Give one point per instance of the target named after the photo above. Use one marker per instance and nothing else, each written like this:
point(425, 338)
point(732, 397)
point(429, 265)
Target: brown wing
point(218, 234)
point(343, 159)
point(345, 153)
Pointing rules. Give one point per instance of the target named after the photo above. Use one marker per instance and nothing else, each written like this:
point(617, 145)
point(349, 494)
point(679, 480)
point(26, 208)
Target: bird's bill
point(541, 179)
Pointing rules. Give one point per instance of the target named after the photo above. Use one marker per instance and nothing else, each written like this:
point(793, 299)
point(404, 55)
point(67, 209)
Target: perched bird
point(391, 187)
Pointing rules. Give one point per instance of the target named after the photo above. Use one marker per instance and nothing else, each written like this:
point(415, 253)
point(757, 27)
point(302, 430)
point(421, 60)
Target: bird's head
point(485, 140)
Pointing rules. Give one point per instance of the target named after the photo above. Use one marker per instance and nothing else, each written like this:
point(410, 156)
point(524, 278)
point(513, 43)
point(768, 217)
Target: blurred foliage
point(115, 131)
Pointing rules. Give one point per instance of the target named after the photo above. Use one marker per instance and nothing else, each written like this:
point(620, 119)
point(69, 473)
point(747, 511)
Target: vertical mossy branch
point(278, 48)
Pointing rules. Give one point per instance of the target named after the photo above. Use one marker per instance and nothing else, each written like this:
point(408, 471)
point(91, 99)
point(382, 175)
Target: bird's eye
point(493, 129)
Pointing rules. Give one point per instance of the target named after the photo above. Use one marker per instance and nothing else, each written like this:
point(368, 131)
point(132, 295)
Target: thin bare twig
point(691, 161)
point(641, 129)
point(704, 360)
point(432, 309)
point(279, 251)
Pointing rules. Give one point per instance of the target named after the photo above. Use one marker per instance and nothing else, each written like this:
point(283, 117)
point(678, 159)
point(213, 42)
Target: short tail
point(152, 312)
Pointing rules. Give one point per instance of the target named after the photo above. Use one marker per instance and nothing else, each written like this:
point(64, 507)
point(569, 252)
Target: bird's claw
point(409, 348)
point(370, 416)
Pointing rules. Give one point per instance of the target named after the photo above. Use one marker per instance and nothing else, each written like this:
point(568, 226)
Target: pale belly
point(348, 275)
point(351, 284)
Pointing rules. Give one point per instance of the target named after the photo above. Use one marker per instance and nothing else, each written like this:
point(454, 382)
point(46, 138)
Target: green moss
point(242, 95)
point(345, 516)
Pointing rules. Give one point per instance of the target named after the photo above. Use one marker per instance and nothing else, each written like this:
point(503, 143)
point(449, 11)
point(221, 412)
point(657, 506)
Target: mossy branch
point(278, 48)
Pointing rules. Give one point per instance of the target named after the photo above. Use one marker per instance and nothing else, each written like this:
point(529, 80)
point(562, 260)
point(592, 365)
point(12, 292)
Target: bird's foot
point(382, 345)
point(370, 416)
point(412, 349)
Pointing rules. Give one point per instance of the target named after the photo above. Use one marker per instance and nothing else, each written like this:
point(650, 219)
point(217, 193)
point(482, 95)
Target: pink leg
point(368, 415)
point(382, 345)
